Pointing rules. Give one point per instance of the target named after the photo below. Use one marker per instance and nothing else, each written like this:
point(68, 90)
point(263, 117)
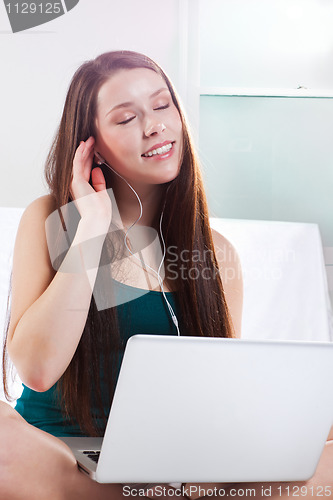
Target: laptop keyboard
point(93, 455)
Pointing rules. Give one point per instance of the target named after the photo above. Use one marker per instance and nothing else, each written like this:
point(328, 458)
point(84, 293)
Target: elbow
point(35, 379)
point(34, 375)
point(38, 378)
point(37, 382)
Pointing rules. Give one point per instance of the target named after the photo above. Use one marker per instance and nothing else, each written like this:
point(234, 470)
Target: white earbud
point(100, 159)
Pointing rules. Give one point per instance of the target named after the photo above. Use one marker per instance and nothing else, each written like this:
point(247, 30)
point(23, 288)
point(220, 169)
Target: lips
point(159, 149)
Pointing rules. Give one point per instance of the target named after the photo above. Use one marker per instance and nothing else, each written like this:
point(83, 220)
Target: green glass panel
point(269, 158)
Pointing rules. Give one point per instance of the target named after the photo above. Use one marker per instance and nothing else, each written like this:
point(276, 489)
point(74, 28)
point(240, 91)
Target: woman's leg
point(319, 486)
point(35, 465)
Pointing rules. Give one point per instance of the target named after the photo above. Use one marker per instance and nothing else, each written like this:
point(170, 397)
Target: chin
point(170, 175)
point(167, 178)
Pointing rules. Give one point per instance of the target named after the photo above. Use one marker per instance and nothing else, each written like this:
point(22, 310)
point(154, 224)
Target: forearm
point(47, 335)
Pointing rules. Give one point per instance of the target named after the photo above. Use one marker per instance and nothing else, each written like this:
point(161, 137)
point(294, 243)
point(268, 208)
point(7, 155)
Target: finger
point(98, 179)
point(83, 158)
point(88, 145)
point(78, 153)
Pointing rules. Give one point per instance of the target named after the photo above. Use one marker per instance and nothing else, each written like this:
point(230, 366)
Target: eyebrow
point(130, 103)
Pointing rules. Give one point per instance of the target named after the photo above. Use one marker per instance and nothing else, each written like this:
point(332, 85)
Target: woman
point(122, 128)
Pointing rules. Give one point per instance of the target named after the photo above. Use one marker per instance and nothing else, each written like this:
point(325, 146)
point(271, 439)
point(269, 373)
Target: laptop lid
point(195, 409)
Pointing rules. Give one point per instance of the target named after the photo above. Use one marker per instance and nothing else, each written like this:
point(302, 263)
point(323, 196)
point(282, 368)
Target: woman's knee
point(6, 410)
point(8, 417)
point(28, 452)
point(9, 420)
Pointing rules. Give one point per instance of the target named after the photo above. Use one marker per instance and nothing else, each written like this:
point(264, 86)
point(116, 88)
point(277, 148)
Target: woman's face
point(138, 128)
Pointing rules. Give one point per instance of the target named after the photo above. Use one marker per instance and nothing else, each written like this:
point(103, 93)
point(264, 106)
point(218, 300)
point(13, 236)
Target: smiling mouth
point(159, 151)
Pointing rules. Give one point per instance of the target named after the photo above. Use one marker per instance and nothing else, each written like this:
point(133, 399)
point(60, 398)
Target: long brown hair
point(200, 298)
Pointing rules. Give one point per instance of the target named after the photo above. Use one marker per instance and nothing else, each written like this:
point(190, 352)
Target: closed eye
point(126, 121)
point(162, 107)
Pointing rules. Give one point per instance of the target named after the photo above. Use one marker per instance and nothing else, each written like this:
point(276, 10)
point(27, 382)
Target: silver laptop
point(193, 409)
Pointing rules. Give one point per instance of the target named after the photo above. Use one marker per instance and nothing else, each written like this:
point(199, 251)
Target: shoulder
point(226, 254)
point(39, 209)
point(231, 274)
point(32, 223)
point(31, 237)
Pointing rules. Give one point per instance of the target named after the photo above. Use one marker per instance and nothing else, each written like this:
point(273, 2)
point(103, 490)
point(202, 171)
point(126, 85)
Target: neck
point(128, 204)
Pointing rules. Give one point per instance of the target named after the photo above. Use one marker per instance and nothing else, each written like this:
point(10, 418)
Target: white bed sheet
point(285, 284)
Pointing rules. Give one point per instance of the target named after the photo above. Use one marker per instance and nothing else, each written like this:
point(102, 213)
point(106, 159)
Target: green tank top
point(139, 312)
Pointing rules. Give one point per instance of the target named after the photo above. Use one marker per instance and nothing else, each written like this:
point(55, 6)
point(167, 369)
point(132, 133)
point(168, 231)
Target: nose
point(154, 127)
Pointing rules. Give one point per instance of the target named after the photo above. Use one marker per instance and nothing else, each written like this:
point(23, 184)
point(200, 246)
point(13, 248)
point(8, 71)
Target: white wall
point(37, 65)
point(266, 43)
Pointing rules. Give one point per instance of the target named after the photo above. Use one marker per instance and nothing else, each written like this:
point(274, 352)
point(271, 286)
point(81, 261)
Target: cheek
point(125, 144)
point(177, 123)
point(115, 142)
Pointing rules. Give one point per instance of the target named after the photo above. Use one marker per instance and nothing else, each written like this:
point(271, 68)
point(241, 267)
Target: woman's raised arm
point(49, 309)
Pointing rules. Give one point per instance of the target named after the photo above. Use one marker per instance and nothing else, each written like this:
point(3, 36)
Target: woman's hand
point(93, 202)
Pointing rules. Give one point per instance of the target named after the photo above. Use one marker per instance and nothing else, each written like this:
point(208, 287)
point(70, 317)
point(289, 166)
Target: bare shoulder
point(231, 274)
point(31, 230)
point(227, 257)
point(39, 209)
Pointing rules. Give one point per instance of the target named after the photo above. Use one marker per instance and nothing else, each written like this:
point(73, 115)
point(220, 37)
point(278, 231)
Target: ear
point(99, 159)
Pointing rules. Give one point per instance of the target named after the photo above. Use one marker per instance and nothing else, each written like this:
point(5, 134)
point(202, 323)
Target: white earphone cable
point(160, 281)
